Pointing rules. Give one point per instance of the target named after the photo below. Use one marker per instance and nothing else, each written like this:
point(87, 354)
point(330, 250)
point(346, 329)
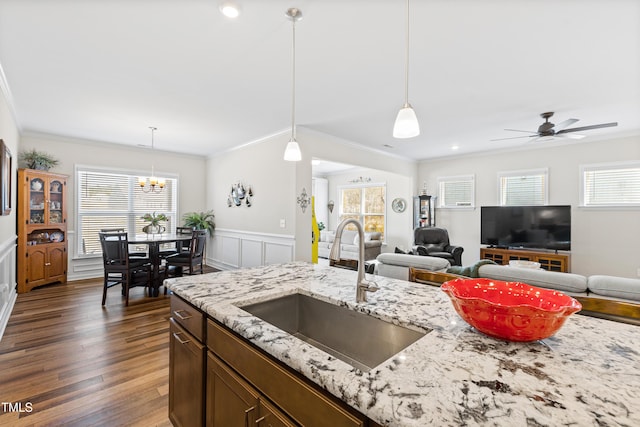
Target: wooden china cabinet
point(42, 229)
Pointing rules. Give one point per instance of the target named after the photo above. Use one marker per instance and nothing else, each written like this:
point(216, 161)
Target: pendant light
point(152, 184)
point(292, 152)
point(406, 125)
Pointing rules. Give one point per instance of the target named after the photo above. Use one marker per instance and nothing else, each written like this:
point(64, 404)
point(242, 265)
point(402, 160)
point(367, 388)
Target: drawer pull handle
point(175, 334)
point(261, 419)
point(246, 416)
point(180, 316)
point(47, 263)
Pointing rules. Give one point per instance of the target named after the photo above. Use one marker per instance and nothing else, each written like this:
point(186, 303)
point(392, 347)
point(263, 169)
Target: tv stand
point(548, 260)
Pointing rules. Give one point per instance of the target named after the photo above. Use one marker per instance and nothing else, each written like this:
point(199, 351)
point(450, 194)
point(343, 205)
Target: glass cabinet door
point(37, 201)
point(55, 201)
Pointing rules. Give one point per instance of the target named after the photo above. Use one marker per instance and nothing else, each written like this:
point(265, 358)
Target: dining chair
point(179, 246)
point(137, 254)
point(120, 268)
point(193, 261)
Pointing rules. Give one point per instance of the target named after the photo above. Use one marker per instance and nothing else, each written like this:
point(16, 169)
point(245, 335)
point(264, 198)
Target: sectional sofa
point(349, 243)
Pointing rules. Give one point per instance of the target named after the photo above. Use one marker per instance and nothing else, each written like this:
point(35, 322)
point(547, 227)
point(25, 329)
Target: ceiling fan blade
point(526, 131)
point(603, 125)
point(514, 137)
point(564, 124)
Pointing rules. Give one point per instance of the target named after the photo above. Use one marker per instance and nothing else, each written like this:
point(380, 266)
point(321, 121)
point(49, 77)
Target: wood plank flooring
point(67, 361)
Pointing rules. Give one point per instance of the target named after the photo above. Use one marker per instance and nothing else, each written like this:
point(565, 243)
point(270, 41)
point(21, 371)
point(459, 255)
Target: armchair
point(434, 241)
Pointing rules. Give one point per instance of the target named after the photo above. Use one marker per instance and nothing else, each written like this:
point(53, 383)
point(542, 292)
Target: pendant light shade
point(292, 152)
point(406, 125)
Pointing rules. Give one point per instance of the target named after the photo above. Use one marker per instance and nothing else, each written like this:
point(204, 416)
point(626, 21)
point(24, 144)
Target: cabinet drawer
point(188, 317)
point(297, 397)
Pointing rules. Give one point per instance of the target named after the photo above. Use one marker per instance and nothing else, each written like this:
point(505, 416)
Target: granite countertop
point(587, 374)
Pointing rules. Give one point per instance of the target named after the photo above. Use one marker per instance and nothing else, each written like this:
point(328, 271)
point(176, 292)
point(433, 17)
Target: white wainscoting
point(231, 249)
point(7, 281)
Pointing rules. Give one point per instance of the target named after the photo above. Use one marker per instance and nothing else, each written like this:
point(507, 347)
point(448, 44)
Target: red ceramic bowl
point(512, 311)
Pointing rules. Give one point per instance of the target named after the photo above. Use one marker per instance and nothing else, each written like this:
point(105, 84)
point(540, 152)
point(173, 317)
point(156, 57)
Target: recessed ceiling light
point(454, 147)
point(230, 9)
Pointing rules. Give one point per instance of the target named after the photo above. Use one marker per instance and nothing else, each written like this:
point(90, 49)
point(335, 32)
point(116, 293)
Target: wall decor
point(360, 179)
point(240, 194)
point(5, 179)
point(304, 200)
point(330, 205)
point(399, 205)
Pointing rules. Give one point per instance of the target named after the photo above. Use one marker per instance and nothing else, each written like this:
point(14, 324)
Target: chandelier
point(151, 184)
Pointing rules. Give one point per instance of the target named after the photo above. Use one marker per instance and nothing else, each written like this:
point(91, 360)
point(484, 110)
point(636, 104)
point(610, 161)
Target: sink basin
point(361, 340)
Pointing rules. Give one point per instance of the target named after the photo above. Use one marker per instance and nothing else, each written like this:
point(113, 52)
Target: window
point(523, 188)
point(366, 204)
point(456, 191)
point(611, 184)
point(113, 199)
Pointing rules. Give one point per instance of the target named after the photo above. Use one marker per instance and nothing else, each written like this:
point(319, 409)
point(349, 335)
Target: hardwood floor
point(65, 360)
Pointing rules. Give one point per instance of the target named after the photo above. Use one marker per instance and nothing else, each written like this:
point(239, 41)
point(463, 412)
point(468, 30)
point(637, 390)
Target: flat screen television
point(535, 227)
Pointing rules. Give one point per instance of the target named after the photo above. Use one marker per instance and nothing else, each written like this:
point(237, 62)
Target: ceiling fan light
point(406, 125)
point(292, 152)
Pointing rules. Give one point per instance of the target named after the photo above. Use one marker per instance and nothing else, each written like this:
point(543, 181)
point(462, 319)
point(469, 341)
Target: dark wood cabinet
point(42, 229)
point(548, 260)
point(186, 365)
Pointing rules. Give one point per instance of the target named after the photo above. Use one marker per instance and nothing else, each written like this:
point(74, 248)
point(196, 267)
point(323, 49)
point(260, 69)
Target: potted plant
point(154, 223)
point(200, 221)
point(34, 159)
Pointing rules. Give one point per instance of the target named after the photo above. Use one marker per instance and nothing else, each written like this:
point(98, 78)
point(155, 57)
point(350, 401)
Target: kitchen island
point(587, 374)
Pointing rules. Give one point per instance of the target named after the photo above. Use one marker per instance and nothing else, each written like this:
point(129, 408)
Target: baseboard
point(6, 311)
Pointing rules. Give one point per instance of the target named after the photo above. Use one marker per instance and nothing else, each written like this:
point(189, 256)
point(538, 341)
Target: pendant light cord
point(406, 75)
point(293, 83)
point(153, 129)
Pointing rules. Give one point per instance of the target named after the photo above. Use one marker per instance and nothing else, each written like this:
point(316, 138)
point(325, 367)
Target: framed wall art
point(5, 179)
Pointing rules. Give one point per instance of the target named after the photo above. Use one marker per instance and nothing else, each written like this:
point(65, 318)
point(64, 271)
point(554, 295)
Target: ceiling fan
point(548, 131)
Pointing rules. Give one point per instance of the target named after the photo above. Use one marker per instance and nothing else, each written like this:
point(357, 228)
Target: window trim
point(77, 254)
point(451, 178)
point(361, 215)
point(525, 172)
point(631, 164)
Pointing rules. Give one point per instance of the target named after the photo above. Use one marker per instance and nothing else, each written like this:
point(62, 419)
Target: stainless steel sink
point(361, 340)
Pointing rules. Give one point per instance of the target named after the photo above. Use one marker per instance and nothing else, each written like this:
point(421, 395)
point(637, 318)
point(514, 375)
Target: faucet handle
point(370, 285)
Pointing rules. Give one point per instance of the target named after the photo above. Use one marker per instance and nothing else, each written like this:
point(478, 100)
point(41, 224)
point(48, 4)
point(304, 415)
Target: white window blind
point(523, 188)
point(113, 199)
point(611, 184)
point(456, 191)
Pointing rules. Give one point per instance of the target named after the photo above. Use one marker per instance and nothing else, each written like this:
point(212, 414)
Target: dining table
point(154, 241)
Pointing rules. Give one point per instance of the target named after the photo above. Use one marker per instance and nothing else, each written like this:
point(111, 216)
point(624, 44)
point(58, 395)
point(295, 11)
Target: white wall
point(604, 241)
point(10, 135)
point(398, 231)
point(277, 184)
point(72, 152)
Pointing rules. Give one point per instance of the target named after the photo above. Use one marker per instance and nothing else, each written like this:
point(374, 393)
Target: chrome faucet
point(362, 285)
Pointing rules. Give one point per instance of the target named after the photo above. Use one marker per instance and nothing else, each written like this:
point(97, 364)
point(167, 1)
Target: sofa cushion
point(348, 237)
point(327, 236)
point(619, 287)
point(564, 282)
point(369, 236)
point(425, 262)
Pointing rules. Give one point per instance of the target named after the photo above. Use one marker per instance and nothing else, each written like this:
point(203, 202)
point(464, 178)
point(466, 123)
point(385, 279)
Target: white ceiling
point(107, 70)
